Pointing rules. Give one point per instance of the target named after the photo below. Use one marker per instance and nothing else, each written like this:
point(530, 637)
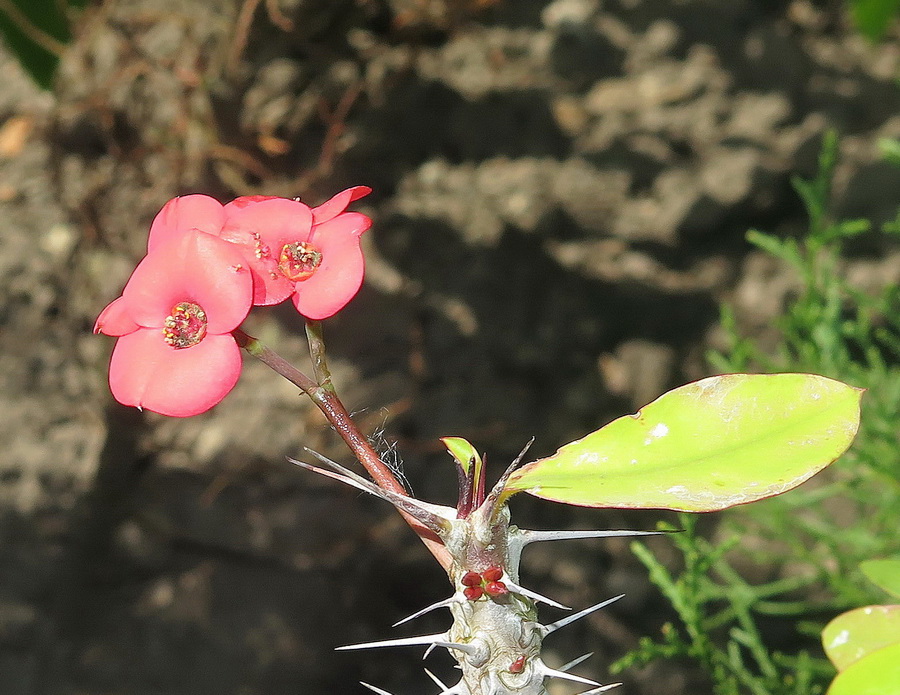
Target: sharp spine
point(445, 690)
point(468, 649)
point(401, 642)
point(435, 679)
point(534, 595)
point(374, 689)
point(494, 500)
point(433, 516)
point(554, 673)
point(446, 603)
point(527, 536)
point(601, 689)
point(574, 662)
point(562, 622)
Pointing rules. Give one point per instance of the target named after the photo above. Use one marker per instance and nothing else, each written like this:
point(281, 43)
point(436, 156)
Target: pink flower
point(310, 255)
point(175, 354)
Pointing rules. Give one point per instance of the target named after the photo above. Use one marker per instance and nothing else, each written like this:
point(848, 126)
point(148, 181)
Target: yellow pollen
point(185, 326)
point(299, 260)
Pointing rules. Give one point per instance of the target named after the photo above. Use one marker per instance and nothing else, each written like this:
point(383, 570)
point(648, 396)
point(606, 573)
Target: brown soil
point(560, 196)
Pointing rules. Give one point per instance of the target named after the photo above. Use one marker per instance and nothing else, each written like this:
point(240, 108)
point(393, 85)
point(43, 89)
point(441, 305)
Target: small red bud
point(496, 588)
point(471, 579)
point(518, 665)
point(473, 593)
point(492, 574)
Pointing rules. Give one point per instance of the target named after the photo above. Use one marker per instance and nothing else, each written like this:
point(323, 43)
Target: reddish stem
point(330, 405)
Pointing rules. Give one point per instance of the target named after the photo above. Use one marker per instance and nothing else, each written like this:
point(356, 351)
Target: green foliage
point(713, 601)
point(812, 540)
point(873, 17)
point(37, 32)
point(705, 446)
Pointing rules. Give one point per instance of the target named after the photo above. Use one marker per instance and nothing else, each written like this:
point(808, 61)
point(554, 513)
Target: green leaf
point(464, 453)
point(36, 31)
point(885, 574)
point(876, 674)
point(785, 249)
point(860, 632)
point(890, 150)
point(709, 445)
point(873, 17)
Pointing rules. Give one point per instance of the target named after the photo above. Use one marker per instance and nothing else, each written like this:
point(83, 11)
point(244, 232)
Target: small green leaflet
point(464, 453)
point(712, 444)
point(885, 574)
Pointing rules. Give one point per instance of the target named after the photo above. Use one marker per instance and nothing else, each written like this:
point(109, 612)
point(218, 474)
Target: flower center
point(299, 260)
point(185, 326)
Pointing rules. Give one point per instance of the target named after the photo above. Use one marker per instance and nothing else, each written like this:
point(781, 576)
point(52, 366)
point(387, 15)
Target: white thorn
point(440, 604)
point(402, 642)
point(428, 651)
point(601, 689)
point(490, 505)
point(374, 689)
point(469, 649)
point(533, 595)
point(436, 679)
point(554, 673)
point(574, 662)
point(445, 690)
point(562, 622)
point(535, 536)
point(433, 516)
point(444, 513)
point(477, 651)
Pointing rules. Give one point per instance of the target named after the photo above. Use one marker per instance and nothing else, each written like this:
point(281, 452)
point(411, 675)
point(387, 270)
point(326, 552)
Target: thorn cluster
point(496, 643)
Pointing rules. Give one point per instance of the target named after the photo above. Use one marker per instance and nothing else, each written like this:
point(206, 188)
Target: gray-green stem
point(316, 338)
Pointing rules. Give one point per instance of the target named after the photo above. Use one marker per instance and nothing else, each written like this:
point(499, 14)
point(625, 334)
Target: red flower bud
point(518, 665)
point(473, 593)
point(471, 579)
point(496, 589)
point(492, 574)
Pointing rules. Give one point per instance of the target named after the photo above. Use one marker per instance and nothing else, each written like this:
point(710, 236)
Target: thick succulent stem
point(502, 626)
point(495, 635)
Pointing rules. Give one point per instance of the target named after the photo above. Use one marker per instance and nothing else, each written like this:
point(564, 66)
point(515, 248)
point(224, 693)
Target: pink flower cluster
point(207, 264)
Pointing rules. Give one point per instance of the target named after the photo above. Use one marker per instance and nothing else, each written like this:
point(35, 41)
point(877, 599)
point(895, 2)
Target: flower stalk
point(326, 399)
point(315, 336)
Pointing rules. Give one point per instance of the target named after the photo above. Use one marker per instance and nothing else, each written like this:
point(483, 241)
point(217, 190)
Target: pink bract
point(339, 277)
point(175, 354)
point(186, 213)
point(313, 256)
point(337, 204)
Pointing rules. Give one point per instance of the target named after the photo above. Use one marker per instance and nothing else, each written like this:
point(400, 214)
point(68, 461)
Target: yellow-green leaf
point(464, 453)
point(876, 674)
point(860, 632)
point(709, 445)
point(885, 574)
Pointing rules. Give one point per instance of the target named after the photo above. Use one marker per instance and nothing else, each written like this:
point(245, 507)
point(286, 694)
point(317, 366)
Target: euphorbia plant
point(710, 445)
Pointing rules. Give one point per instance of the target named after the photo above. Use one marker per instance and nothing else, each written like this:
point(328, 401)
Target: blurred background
point(561, 196)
